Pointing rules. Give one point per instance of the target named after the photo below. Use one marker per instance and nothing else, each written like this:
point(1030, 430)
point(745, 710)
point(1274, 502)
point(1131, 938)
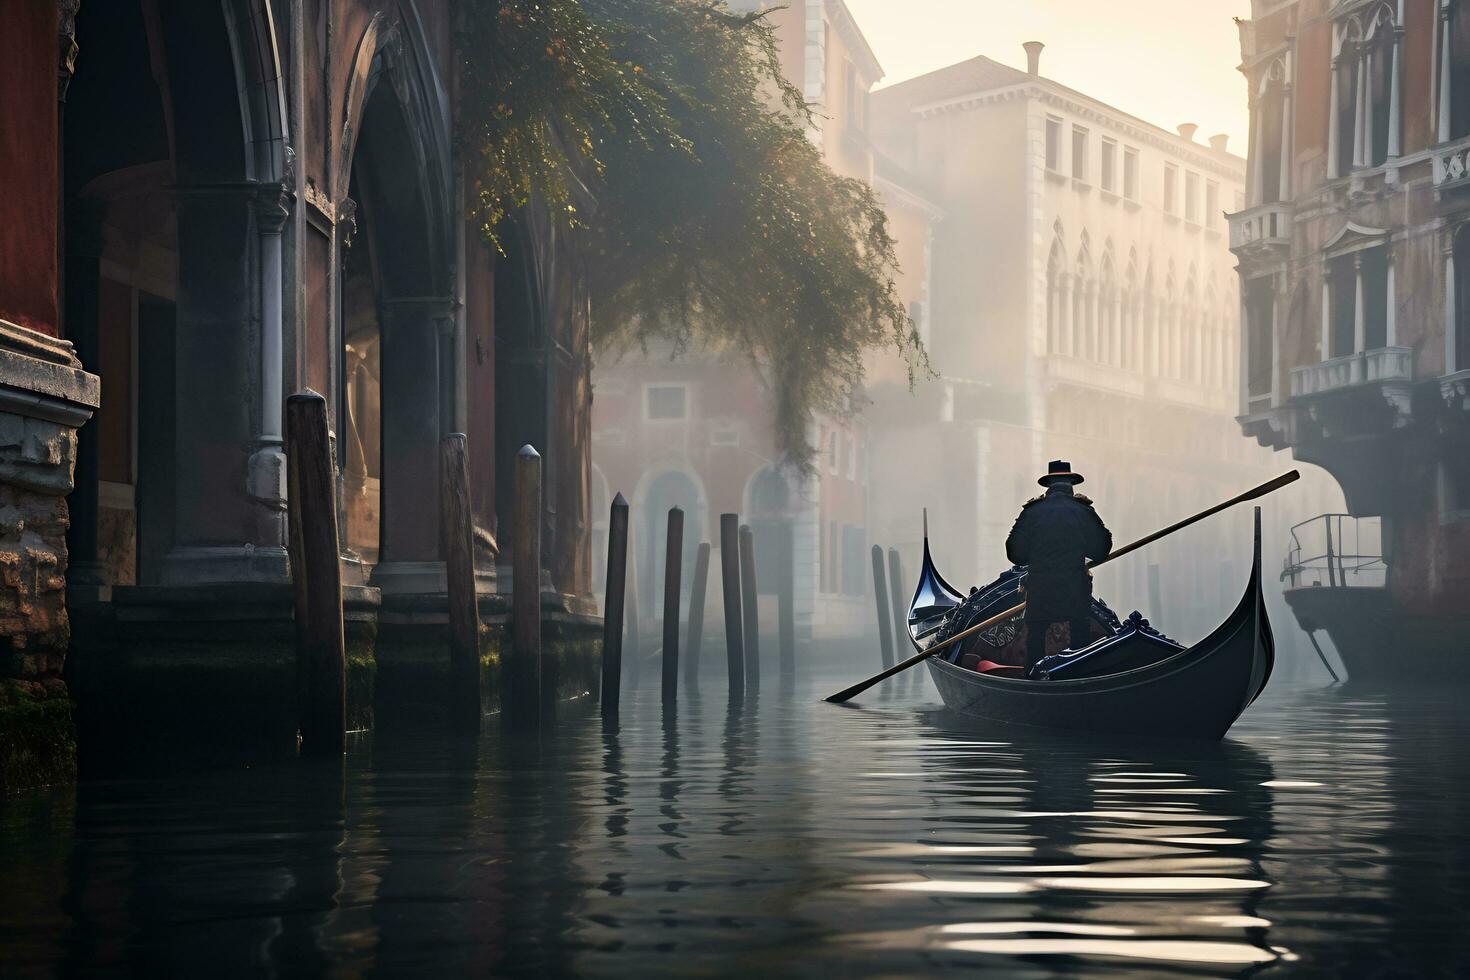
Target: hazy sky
point(1166, 61)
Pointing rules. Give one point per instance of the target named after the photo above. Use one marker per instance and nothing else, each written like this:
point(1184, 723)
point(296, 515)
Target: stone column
point(1326, 310)
point(1391, 330)
point(1256, 192)
point(1283, 180)
point(1445, 74)
point(229, 523)
point(1359, 319)
point(1451, 353)
point(1332, 135)
point(1280, 303)
point(1360, 114)
point(267, 469)
point(1393, 86)
point(415, 331)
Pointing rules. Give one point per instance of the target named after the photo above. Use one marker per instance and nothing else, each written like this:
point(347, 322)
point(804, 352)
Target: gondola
point(1130, 679)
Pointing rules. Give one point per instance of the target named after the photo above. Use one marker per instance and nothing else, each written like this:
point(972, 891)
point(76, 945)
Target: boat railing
point(1336, 551)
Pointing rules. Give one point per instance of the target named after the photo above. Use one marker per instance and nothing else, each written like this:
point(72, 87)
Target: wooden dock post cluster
point(888, 597)
point(316, 577)
point(741, 605)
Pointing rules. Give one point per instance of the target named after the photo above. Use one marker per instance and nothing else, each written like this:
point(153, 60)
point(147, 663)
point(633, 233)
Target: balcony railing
point(1452, 163)
point(1264, 224)
point(1383, 364)
point(1336, 551)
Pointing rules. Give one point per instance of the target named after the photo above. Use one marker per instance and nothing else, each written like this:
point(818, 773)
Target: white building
point(1084, 307)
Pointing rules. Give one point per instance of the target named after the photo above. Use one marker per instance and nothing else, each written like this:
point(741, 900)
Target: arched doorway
point(672, 488)
point(771, 506)
point(173, 151)
point(396, 364)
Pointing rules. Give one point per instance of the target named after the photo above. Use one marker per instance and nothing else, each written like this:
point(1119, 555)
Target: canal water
point(1326, 836)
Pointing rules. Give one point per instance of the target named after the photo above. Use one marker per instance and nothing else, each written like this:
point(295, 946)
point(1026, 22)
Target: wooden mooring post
point(316, 577)
point(522, 699)
point(896, 591)
point(730, 582)
point(786, 605)
point(673, 580)
point(750, 620)
point(457, 531)
point(880, 596)
point(612, 608)
point(695, 639)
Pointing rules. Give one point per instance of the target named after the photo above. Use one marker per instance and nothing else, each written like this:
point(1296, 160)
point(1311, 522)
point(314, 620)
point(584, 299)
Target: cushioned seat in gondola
point(1135, 644)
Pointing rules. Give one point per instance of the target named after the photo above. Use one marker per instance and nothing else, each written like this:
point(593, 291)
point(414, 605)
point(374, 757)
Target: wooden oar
point(1252, 494)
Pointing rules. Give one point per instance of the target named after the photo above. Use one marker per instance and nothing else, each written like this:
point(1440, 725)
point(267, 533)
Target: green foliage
point(666, 132)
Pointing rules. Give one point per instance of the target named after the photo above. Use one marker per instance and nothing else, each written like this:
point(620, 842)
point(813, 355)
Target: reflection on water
point(1327, 835)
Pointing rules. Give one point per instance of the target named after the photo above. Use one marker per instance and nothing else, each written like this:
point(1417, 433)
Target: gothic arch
point(1107, 305)
point(1058, 296)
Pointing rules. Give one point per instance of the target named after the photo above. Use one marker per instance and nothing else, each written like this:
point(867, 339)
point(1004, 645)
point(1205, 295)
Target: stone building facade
point(239, 199)
point(696, 431)
point(1354, 249)
point(1084, 307)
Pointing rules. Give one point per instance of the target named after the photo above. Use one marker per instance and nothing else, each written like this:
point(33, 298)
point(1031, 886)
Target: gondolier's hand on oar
point(1254, 493)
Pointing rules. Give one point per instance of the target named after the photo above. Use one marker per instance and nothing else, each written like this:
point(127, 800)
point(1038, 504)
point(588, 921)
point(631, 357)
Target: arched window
point(1379, 65)
point(1459, 281)
point(1343, 154)
point(1454, 71)
point(1164, 332)
point(1058, 300)
point(1209, 343)
point(1365, 90)
point(1083, 308)
point(1107, 308)
point(1128, 332)
point(1271, 133)
point(1185, 351)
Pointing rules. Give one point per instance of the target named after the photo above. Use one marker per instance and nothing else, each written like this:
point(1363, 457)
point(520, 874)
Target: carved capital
point(272, 203)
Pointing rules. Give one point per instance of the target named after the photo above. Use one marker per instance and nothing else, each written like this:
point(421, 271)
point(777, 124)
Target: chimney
point(1219, 141)
point(1187, 131)
point(1033, 57)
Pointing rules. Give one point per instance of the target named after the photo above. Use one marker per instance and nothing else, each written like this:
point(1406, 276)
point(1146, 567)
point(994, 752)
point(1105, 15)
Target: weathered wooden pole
point(896, 596)
point(457, 534)
point(634, 618)
point(316, 574)
point(696, 617)
point(523, 705)
point(612, 607)
point(673, 579)
point(730, 581)
point(786, 604)
point(750, 626)
point(880, 596)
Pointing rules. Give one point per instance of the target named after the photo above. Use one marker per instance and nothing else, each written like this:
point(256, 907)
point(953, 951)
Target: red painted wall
point(28, 162)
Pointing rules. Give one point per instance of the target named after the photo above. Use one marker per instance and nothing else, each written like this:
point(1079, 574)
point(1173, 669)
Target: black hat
point(1059, 469)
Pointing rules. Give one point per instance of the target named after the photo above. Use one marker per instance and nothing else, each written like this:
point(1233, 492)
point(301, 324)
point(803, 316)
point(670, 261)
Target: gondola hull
point(1198, 692)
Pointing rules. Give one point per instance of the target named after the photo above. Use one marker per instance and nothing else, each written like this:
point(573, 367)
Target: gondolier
point(1054, 536)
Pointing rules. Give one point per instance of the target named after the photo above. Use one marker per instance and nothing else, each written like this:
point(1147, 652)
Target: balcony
point(1452, 165)
point(1336, 551)
point(1265, 227)
point(1383, 364)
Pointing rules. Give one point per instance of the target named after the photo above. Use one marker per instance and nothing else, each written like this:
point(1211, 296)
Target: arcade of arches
point(240, 199)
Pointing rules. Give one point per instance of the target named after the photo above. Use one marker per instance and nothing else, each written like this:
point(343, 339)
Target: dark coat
point(1054, 537)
